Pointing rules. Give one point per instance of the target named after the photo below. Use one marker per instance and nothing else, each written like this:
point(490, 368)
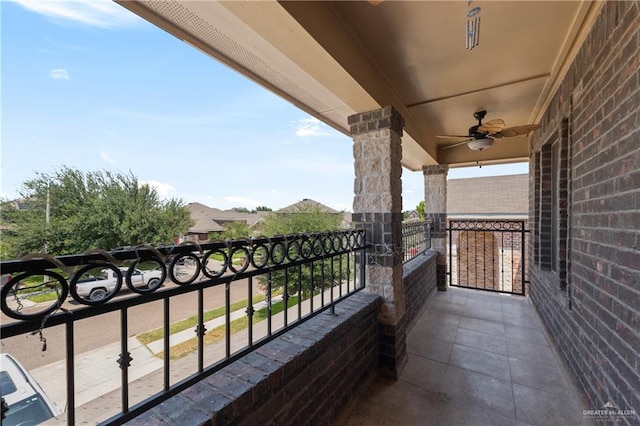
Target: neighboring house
point(492, 197)
point(204, 223)
point(209, 219)
point(491, 258)
point(307, 204)
point(411, 215)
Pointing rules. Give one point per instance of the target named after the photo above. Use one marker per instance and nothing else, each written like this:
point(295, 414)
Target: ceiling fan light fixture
point(480, 144)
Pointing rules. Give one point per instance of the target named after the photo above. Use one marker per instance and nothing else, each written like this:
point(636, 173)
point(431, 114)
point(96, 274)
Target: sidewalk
point(98, 372)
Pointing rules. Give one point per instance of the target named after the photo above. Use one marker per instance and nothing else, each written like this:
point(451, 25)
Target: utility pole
point(47, 217)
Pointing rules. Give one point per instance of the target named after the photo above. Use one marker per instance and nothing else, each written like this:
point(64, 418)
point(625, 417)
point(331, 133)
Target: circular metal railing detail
point(96, 277)
point(15, 307)
point(487, 225)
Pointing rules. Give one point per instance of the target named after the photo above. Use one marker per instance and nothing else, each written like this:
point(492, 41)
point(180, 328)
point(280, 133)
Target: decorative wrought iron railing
point(416, 238)
point(305, 274)
point(488, 255)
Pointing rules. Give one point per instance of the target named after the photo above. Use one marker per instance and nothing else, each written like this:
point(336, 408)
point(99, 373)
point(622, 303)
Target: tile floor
point(474, 358)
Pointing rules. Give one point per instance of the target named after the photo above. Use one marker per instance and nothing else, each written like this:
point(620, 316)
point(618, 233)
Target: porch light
point(480, 144)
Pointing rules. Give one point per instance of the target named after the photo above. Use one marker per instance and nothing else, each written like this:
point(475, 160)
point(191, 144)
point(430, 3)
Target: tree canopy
point(420, 210)
point(235, 230)
point(305, 220)
point(89, 210)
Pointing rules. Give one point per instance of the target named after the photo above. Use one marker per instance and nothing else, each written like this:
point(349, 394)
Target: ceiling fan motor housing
point(473, 130)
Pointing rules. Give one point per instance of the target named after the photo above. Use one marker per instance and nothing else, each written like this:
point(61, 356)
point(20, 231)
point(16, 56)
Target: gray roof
point(203, 217)
point(492, 195)
point(305, 205)
point(208, 219)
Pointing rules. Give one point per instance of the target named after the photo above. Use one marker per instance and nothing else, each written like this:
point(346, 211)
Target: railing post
point(523, 256)
point(71, 391)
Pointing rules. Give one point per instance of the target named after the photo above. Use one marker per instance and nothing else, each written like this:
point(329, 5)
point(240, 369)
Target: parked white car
point(26, 402)
point(96, 289)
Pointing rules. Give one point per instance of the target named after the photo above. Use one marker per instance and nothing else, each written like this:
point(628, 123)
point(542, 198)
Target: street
point(104, 329)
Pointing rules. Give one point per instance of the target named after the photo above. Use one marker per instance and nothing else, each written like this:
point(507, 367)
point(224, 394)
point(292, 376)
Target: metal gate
point(488, 255)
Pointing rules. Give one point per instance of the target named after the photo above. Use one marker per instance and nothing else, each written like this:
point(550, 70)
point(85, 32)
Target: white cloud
point(59, 74)
point(107, 158)
point(99, 13)
point(164, 189)
point(311, 127)
point(242, 201)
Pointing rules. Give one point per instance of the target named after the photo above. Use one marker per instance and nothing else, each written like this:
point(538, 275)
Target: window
point(553, 243)
point(551, 176)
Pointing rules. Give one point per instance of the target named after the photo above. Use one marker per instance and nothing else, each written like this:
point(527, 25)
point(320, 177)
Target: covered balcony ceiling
point(335, 59)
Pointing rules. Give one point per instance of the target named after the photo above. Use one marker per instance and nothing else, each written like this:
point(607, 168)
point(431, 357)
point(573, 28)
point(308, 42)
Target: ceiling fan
point(482, 135)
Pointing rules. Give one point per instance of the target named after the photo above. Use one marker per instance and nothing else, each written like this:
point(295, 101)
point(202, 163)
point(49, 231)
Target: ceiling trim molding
point(484, 89)
point(580, 28)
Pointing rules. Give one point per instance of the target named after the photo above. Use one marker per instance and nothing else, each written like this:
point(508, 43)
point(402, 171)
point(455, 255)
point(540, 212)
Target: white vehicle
point(26, 402)
point(96, 289)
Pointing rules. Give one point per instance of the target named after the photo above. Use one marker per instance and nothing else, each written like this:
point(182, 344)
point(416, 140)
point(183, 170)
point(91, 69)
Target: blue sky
point(89, 85)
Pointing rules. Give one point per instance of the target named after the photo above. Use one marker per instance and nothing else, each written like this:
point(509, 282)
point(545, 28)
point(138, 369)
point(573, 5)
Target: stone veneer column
point(377, 207)
point(435, 208)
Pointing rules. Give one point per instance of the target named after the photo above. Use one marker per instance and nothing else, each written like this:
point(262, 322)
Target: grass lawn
point(158, 333)
point(217, 334)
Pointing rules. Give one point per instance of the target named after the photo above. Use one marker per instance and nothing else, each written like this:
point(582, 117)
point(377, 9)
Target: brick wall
point(420, 284)
point(595, 320)
point(305, 376)
point(477, 256)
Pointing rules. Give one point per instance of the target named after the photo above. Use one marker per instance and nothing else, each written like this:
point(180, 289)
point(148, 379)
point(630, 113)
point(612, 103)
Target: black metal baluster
point(201, 330)
point(311, 290)
point(502, 278)
point(71, 390)
point(300, 291)
point(250, 311)
point(523, 255)
point(227, 317)
point(124, 360)
point(167, 344)
point(322, 278)
point(285, 296)
point(269, 302)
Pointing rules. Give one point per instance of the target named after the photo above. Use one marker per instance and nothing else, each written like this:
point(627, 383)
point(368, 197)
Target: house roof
point(203, 217)
point(209, 219)
point(305, 205)
point(493, 195)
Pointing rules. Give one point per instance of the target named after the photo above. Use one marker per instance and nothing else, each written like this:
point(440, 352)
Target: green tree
point(90, 210)
point(263, 209)
point(305, 220)
point(420, 210)
point(235, 230)
point(241, 210)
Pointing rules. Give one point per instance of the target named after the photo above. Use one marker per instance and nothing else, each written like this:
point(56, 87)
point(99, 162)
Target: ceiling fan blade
point(452, 136)
point(492, 126)
point(456, 144)
point(510, 132)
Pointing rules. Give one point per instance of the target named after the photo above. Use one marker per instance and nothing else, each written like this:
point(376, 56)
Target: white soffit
point(242, 35)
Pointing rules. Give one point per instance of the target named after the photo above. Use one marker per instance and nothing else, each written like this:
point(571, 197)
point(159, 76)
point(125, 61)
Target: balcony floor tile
point(469, 367)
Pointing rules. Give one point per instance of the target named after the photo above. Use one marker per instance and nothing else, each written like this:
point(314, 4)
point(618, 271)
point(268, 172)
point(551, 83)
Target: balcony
point(470, 354)
point(582, 98)
point(475, 358)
